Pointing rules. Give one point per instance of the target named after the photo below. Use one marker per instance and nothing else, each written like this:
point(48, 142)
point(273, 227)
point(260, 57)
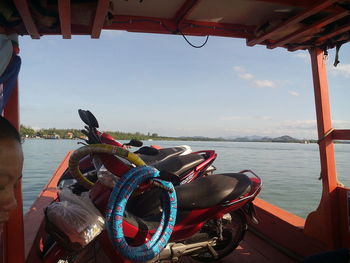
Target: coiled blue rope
point(116, 207)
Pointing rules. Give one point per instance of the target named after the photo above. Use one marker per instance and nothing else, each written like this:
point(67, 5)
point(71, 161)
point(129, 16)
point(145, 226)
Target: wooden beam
point(334, 32)
point(23, 9)
point(14, 233)
point(292, 21)
point(341, 134)
point(326, 215)
point(299, 47)
point(308, 29)
point(217, 29)
point(167, 26)
point(185, 11)
point(65, 18)
point(291, 3)
point(297, 4)
point(101, 13)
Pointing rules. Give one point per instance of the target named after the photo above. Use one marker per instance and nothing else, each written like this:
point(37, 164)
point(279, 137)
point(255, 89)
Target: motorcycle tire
point(233, 233)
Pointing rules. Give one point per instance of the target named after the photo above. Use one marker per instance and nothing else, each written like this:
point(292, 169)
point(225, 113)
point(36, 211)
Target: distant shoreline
point(199, 140)
point(56, 134)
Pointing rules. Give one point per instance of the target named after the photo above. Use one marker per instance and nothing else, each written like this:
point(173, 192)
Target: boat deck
point(252, 249)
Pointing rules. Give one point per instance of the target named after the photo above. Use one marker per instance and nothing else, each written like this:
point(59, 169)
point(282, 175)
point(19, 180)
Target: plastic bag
point(104, 176)
point(76, 217)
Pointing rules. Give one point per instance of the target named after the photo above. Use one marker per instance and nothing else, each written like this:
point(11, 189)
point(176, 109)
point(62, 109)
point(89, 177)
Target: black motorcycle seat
point(144, 210)
point(204, 192)
point(179, 164)
point(163, 154)
point(212, 190)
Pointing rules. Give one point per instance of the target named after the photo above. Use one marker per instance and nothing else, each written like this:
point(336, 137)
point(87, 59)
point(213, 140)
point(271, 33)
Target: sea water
point(289, 171)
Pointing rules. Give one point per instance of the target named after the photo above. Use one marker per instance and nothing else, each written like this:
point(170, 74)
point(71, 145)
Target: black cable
point(165, 27)
point(205, 42)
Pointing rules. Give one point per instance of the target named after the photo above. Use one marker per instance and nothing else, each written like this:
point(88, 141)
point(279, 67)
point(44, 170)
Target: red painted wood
point(13, 232)
point(273, 221)
point(326, 216)
point(309, 29)
point(101, 12)
point(292, 21)
point(299, 3)
point(299, 47)
point(23, 9)
point(344, 222)
point(334, 32)
point(189, 27)
point(185, 11)
point(64, 11)
point(341, 134)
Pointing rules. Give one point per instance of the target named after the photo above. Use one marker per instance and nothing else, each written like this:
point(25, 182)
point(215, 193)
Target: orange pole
point(322, 224)
point(13, 236)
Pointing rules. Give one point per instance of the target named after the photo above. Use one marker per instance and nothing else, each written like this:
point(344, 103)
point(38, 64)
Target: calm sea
point(289, 171)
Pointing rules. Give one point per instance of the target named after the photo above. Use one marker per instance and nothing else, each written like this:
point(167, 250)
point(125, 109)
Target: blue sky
point(159, 84)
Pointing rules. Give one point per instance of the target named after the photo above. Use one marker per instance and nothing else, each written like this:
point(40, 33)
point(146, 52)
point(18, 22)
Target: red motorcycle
point(211, 219)
point(175, 164)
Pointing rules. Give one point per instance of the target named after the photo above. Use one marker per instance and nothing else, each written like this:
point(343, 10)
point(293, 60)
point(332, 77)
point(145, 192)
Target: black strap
point(336, 59)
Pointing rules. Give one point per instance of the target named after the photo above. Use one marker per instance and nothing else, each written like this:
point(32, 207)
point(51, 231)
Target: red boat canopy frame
point(275, 23)
point(291, 24)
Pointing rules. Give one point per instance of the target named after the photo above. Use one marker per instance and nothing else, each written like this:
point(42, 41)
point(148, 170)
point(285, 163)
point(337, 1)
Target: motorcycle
point(211, 219)
point(176, 164)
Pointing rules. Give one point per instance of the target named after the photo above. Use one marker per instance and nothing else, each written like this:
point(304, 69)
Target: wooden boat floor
point(252, 250)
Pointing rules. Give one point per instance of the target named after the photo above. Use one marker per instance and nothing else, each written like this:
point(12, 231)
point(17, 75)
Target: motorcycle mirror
point(146, 150)
point(85, 132)
point(135, 143)
point(88, 118)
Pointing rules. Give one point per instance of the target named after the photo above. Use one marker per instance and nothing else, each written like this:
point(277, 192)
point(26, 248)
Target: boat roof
point(291, 24)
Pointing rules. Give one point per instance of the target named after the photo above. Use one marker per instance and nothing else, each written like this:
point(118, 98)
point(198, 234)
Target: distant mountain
point(284, 138)
point(251, 139)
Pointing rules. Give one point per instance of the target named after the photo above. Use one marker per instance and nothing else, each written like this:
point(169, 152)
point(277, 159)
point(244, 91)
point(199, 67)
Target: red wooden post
point(13, 250)
point(322, 224)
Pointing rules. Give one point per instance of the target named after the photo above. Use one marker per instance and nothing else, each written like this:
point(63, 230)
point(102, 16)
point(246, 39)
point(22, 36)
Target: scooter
point(148, 154)
point(211, 219)
point(176, 164)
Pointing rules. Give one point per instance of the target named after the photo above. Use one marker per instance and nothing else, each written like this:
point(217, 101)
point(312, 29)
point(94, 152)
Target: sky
point(152, 83)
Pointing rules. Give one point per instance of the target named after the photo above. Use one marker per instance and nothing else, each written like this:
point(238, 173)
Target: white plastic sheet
point(76, 216)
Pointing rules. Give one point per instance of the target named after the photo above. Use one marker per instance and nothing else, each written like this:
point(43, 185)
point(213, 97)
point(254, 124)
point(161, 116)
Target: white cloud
point(243, 74)
point(239, 69)
point(230, 118)
point(341, 124)
point(303, 55)
point(265, 84)
point(247, 117)
point(299, 124)
point(341, 69)
point(246, 76)
point(293, 93)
